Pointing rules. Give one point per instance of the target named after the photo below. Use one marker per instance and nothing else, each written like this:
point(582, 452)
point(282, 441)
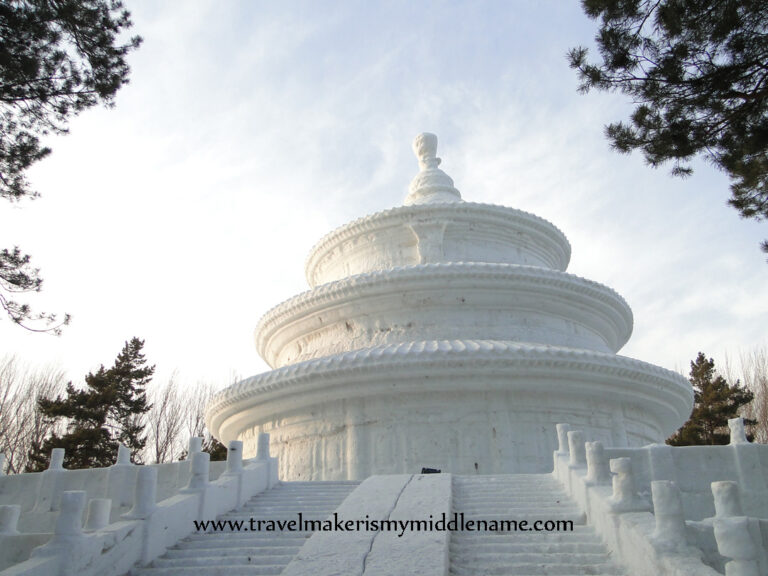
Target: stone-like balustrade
point(652, 512)
point(666, 510)
point(133, 512)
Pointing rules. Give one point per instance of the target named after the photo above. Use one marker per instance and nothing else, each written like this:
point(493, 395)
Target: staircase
point(228, 553)
point(523, 497)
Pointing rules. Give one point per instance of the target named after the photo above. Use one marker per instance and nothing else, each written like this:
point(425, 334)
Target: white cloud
point(249, 130)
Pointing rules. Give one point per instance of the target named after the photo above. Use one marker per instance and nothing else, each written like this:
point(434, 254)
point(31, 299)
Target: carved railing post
point(144, 495)
point(732, 533)
point(195, 446)
point(734, 541)
point(738, 433)
point(262, 455)
point(727, 499)
point(57, 459)
point(624, 497)
point(69, 520)
point(65, 545)
point(262, 449)
point(578, 455)
point(123, 455)
point(198, 479)
point(560, 456)
point(48, 492)
point(598, 470)
point(66, 533)
point(668, 513)
point(235, 467)
point(120, 478)
point(98, 514)
point(9, 518)
point(234, 457)
point(562, 439)
point(746, 457)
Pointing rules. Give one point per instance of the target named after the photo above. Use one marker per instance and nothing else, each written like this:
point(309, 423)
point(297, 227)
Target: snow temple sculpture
point(444, 334)
point(439, 334)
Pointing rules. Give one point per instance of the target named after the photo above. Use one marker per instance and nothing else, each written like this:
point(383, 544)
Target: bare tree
point(165, 422)
point(198, 398)
point(754, 370)
point(22, 425)
point(178, 412)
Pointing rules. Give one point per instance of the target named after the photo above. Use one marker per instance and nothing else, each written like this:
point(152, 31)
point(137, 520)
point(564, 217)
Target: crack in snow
point(399, 494)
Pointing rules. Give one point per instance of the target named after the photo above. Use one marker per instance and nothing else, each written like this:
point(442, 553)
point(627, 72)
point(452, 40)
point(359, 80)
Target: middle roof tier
point(448, 301)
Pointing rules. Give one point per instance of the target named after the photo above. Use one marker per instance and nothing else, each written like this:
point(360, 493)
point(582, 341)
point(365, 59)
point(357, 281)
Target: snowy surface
point(444, 334)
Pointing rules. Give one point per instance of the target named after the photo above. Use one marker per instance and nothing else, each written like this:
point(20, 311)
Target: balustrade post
point(144, 495)
point(48, 491)
point(576, 449)
point(598, 469)
point(738, 433)
point(199, 477)
point(732, 532)
point(262, 449)
point(98, 514)
point(9, 518)
point(562, 439)
point(624, 497)
point(668, 513)
point(234, 457)
point(120, 478)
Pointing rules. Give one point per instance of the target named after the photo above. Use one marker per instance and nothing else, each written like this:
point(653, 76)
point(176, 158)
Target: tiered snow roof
point(444, 333)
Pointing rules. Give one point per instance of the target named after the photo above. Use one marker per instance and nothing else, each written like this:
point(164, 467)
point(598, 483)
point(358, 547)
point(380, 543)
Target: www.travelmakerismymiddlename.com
point(456, 522)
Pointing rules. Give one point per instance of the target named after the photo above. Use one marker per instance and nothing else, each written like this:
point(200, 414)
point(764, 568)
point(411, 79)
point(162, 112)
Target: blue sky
point(250, 129)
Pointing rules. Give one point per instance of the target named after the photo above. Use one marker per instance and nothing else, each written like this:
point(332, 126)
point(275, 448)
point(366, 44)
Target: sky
point(250, 129)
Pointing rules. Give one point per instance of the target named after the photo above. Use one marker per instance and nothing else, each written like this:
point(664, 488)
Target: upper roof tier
point(436, 226)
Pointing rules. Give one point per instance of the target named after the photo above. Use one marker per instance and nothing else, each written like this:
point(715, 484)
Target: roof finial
point(431, 185)
point(425, 148)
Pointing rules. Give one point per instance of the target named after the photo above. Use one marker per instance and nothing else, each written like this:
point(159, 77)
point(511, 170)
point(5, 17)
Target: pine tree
point(57, 58)
point(715, 402)
point(695, 71)
point(107, 413)
point(216, 449)
point(129, 378)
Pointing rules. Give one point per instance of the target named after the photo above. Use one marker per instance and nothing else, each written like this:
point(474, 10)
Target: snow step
point(263, 537)
point(516, 558)
point(230, 552)
point(572, 551)
point(233, 552)
point(505, 511)
point(215, 560)
point(605, 569)
point(540, 548)
point(222, 570)
point(524, 537)
point(229, 540)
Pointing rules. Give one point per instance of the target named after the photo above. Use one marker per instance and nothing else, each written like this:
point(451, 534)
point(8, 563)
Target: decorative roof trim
point(425, 275)
point(447, 356)
point(503, 215)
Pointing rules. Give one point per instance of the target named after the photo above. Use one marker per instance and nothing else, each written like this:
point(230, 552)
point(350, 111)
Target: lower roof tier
point(386, 391)
point(437, 365)
point(445, 302)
